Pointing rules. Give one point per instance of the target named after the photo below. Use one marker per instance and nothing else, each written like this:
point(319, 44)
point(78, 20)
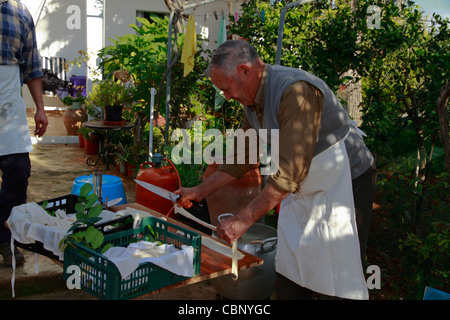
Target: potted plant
point(111, 96)
point(74, 115)
point(91, 140)
point(77, 101)
point(122, 158)
point(81, 134)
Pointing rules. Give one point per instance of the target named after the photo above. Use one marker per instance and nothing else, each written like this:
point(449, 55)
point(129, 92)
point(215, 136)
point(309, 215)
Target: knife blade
point(173, 197)
point(158, 190)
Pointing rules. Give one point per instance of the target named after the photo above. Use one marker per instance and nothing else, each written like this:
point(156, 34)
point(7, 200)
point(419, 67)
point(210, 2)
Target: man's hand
point(232, 228)
point(40, 118)
point(187, 196)
point(198, 193)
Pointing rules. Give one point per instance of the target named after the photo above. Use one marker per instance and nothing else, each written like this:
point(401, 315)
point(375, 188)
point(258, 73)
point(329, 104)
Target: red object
point(165, 177)
point(234, 196)
point(91, 146)
point(81, 140)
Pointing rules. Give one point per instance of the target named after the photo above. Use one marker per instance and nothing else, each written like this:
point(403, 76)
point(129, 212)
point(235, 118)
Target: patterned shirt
point(18, 40)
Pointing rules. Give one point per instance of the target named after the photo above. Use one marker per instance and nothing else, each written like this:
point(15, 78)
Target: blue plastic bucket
point(112, 187)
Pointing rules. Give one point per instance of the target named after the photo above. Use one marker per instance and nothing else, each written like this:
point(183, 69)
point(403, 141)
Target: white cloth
point(30, 223)
point(127, 260)
point(137, 215)
point(318, 245)
point(14, 131)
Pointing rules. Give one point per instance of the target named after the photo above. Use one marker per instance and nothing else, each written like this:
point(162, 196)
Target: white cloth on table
point(168, 257)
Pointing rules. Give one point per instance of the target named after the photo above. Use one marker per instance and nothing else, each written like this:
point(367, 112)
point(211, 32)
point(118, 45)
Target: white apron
point(14, 131)
point(318, 244)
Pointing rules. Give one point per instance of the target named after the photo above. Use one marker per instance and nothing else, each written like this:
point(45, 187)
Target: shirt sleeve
point(299, 118)
point(32, 67)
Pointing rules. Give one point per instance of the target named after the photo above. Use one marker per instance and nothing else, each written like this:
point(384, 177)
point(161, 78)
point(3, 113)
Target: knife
point(173, 197)
point(158, 190)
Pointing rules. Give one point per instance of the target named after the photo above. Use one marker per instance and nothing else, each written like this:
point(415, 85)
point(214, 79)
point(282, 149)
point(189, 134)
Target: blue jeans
point(16, 170)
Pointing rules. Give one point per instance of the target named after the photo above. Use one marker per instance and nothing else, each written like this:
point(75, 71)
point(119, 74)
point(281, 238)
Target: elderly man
point(19, 63)
point(318, 248)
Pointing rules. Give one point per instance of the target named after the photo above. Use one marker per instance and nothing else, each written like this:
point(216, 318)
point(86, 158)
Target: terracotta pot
point(72, 120)
point(81, 140)
point(131, 170)
point(234, 196)
point(91, 145)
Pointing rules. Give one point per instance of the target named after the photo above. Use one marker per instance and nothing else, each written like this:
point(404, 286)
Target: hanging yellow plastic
point(189, 47)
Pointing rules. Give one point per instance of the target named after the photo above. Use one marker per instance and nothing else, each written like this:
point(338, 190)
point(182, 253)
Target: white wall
point(60, 28)
point(121, 13)
point(65, 27)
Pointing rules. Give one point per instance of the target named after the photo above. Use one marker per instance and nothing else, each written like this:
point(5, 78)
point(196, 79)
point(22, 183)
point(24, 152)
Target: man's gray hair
point(230, 54)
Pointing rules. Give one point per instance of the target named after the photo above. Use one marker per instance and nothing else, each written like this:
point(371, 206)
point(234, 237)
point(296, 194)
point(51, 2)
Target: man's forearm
point(234, 227)
point(35, 87)
point(265, 201)
point(40, 118)
point(214, 182)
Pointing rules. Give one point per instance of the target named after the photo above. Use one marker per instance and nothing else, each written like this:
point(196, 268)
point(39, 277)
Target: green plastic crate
point(101, 278)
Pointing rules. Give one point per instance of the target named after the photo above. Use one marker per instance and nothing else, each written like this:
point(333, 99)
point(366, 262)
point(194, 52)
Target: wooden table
point(212, 263)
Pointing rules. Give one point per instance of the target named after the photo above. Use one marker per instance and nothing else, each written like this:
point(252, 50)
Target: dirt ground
point(54, 168)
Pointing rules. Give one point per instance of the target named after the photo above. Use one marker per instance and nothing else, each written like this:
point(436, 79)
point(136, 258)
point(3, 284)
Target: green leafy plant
point(109, 93)
point(87, 214)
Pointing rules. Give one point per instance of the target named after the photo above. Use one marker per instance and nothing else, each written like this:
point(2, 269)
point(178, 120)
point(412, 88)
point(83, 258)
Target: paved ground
point(54, 168)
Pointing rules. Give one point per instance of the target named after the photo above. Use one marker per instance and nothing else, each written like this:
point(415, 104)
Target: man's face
point(234, 87)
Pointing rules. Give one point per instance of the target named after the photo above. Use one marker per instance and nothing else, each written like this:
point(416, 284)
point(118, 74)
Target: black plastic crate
point(67, 203)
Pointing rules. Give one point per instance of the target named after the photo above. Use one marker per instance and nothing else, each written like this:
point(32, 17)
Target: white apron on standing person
point(318, 244)
point(14, 129)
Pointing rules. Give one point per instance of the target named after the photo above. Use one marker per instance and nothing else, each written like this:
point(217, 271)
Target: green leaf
point(85, 189)
point(95, 211)
point(106, 248)
point(94, 237)
point(92, 221)
point(79, 208)
point(80, 216)
point(90, 234)
point(90, 200)
point(77, 237)
point(75, 225)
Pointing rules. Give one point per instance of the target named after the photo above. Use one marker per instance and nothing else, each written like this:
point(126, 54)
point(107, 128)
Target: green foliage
point(418, 240)
point(191, 172)
point(409, 62)
point(109, 93)
point(142, 54)
point(87, 214)
point(402, 64)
